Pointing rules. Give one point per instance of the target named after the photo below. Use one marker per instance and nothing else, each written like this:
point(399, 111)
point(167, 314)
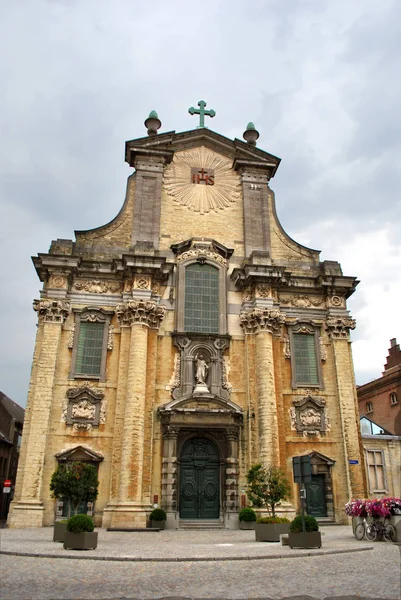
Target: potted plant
point(269, 529)
point(80, 534)
point(75, 483)
point(60, 527)
point(158, 518)
point(247, 518)
point(310, 538)
point(267, 486)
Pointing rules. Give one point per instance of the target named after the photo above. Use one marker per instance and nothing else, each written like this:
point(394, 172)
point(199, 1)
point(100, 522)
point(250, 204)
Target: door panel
point(316, 497)
point(199, 480)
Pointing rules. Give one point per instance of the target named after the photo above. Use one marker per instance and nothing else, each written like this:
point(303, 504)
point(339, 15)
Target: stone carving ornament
point(262, 319)
point(202, 198)
point(309, 416)
point(145, 312)
point(201, 254)
point(301, 301)
point(97, 286)
point(339, 327)
point(142, 282)
point(85, 407)
point(51, 311)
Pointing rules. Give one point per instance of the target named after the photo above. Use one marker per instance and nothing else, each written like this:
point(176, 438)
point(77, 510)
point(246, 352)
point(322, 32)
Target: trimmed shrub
point(310, 524)
point(272, 520)
point(247, 514)
point(80, 523)
point(158, 514)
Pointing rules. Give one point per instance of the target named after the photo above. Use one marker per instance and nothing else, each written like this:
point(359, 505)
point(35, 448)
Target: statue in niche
point(201, 370)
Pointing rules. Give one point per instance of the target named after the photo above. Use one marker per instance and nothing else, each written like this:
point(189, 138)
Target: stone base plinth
point(125, 515)
point(25, 514)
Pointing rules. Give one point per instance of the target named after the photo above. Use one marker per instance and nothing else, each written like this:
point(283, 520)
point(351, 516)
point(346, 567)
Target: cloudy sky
point(320, 80)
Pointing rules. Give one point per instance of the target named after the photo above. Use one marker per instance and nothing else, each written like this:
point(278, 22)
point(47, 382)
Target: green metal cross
point(201, 112)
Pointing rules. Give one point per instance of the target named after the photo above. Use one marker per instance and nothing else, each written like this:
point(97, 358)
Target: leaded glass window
point(90, 348)
point(305, 360)
point(201, 305)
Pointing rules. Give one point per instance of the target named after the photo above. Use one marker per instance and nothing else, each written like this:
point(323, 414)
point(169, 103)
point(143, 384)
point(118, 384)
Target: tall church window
point(89, 347)
point(201, 304)
point(305, 363)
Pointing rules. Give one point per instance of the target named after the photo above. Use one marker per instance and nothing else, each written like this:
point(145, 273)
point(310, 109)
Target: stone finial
point(250, 134)
point(153, 123)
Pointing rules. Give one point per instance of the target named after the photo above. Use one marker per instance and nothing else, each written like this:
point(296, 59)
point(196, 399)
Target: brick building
point(187, 339)
point(380, 399)
point(11, 424)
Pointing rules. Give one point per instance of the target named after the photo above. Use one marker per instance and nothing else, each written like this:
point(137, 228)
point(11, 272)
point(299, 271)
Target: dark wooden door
point(199, 480)
point(316, 497)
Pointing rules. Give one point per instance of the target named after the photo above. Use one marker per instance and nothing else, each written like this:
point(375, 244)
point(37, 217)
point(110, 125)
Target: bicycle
point(378, 529)
point(360, 529)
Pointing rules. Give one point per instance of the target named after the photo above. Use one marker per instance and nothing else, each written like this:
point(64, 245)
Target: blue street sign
point(353, 462)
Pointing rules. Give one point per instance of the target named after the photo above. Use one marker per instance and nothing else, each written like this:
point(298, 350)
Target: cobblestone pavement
point(372, 574)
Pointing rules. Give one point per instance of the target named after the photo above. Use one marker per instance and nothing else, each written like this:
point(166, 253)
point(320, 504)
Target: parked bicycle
point(378, 530)
point(360, 529)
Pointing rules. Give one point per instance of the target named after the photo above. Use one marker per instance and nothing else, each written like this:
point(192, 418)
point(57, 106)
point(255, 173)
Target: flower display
point(383, 507)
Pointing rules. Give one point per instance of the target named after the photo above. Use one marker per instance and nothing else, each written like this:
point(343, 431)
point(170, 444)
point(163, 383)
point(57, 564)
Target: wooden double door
point(199, 480)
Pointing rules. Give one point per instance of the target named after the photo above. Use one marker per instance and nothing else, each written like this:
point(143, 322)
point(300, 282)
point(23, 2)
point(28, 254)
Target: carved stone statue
point(201, 370)
point(310, 416)
point(83, 410)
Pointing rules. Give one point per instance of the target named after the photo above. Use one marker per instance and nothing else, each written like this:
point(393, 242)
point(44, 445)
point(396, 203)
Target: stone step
point(200, 524)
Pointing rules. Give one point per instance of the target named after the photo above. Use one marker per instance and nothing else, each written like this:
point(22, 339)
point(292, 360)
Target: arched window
point(201, 303)
point(393, 398)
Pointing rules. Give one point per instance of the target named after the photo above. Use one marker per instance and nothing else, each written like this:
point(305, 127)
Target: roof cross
point(201, 112)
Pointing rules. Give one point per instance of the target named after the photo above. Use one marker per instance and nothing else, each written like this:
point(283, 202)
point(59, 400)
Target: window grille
point(201, 304)
point(89, 349)
point(306, 367)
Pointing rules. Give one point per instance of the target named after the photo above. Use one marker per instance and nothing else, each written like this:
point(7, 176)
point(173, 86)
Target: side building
point(11, 424)
point(186, 340)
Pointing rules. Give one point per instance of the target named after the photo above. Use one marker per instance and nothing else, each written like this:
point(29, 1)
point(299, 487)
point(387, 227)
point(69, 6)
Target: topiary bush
point(247, 514)
point(272, 520)
point(80, 523)
point(158, 514)
point(310, 524)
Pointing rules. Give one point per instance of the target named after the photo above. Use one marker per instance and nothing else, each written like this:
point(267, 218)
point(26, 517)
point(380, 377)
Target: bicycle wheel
point(360, 531)
point(371, 533)
point(389, 533)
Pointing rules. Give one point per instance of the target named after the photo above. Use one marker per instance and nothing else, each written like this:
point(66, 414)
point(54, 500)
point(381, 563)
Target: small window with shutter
point(305, 357)
point(89, 346)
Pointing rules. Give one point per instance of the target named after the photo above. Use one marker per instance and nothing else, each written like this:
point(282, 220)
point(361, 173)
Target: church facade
point(186, 340)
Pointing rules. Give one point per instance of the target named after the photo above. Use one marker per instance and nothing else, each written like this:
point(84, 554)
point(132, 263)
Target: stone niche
point(84, 408)
point(309, 416)
point(200, 367)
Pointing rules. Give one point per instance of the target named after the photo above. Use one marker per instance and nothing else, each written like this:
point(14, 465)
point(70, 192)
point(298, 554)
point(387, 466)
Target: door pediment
point(201, 403)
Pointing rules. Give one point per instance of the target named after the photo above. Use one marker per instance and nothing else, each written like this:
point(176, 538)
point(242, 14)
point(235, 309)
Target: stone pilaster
point(232, 473)
point(148, 186)
point(338, 329)
point(130, 508)
point(27, 508)
point(169, 470)
point(265, 323)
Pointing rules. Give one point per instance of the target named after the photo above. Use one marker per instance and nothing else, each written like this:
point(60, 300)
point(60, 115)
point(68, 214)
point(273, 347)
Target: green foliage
point(76, 482)
point(310, 524)
point(267, 486)
point(80, 523)
point(273, 520)
point(247, 514)
point(158, 514)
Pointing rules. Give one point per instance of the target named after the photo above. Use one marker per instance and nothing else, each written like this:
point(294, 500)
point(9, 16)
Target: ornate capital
point(144, 312)
point(52, 311)
point(262, 319)
point(339, 327)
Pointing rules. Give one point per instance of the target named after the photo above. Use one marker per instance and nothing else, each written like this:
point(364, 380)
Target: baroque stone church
point(186, 340)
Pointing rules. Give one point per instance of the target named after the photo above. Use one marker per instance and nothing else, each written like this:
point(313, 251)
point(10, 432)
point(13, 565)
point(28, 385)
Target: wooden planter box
point(158, 524)
point(87, 540)
point(309, 539)
point(270, 532)
point(247, 524)
point(59, 532)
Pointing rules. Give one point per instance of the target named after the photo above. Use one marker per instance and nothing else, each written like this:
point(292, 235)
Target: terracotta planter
point(270, 532)
point(158, 524)
point(309, 539)
point(247, 524)
point(59, 531)
point(86, 540)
